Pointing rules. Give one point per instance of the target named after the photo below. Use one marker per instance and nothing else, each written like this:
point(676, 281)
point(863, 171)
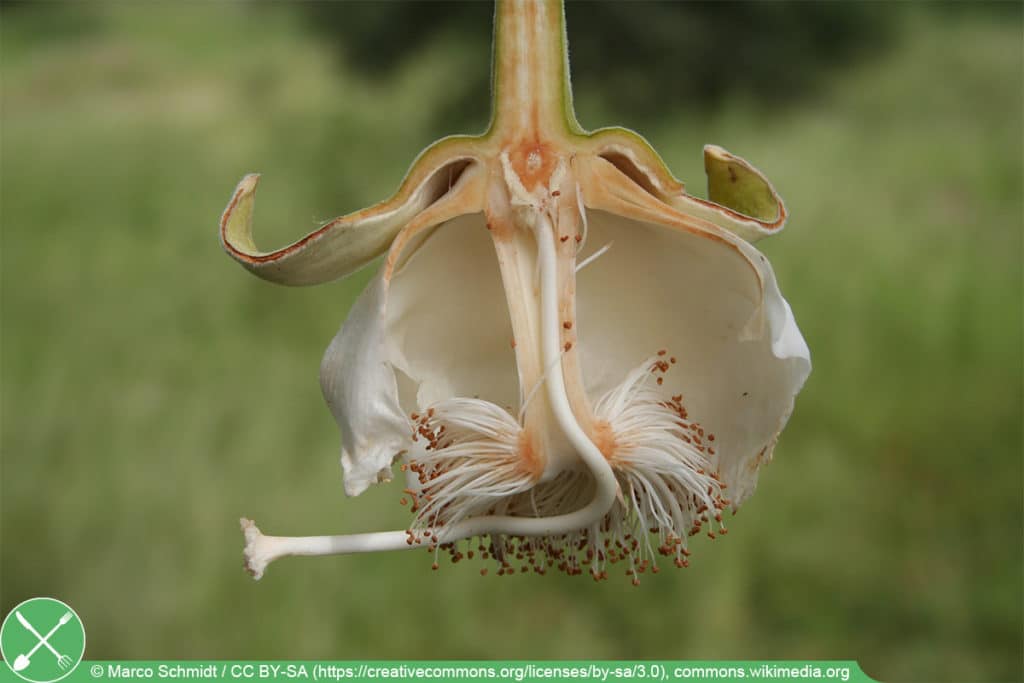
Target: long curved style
point(570, 359)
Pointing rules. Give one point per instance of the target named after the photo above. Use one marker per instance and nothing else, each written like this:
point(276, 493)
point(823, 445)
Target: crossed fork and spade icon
point(22, 661)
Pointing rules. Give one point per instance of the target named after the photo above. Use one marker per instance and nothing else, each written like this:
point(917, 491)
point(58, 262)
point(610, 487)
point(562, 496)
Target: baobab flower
point(572, 361)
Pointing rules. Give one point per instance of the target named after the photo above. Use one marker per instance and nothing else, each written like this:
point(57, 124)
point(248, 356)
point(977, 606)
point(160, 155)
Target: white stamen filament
point(537, 386)
point(660, 460)
point(593, 257)
point(583, 219)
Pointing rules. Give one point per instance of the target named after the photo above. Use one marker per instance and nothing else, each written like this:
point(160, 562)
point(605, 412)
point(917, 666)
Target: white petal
point(740, 357)
point(359, 385)
point(448, 318)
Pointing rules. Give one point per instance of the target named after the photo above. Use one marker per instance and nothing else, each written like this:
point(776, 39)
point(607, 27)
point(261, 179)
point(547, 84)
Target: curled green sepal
point(753, 209)
point(345, 244)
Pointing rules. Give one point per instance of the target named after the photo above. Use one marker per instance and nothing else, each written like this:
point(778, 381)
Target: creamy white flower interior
point(570, 359)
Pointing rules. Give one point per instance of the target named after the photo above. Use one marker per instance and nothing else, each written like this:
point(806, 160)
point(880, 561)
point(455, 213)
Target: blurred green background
point(153, 392)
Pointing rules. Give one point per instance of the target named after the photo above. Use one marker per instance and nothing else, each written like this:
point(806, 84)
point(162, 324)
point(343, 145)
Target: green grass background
point(153, 392)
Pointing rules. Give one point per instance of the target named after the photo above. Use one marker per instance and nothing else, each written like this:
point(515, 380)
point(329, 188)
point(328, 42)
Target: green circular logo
point(42, 640)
